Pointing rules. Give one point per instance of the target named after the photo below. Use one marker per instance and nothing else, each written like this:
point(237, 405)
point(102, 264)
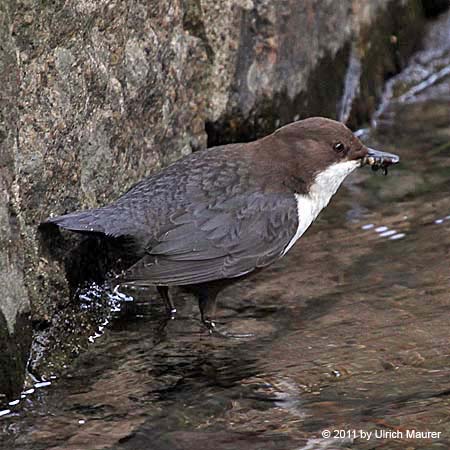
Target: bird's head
point(324, 146)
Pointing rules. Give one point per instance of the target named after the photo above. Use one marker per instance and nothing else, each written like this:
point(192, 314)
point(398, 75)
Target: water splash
point(426, 69)
point(351, 86)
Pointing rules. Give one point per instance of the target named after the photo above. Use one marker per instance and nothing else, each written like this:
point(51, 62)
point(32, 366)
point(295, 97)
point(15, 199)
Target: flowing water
point(351, 329)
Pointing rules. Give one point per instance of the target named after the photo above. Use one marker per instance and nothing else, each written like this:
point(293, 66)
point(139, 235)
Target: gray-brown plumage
point(222, 213)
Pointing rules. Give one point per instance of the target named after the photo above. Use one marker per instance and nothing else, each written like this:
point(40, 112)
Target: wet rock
point(97, 95)
point(336, 66)
point(434, 7)
point(421, 92)
point(15, 333)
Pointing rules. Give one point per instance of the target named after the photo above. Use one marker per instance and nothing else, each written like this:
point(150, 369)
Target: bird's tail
point(89, 221)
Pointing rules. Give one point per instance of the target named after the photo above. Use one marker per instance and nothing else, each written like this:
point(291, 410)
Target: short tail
point(89, 221)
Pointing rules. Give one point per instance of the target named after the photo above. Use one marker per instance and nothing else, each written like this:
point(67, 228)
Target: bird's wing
point(209, 176)
point(207, 242)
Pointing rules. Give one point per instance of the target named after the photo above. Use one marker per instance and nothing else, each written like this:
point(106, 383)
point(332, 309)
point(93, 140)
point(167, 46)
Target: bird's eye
point(339, 146)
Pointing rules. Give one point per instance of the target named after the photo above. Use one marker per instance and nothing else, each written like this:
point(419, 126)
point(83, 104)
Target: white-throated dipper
point(220, 214)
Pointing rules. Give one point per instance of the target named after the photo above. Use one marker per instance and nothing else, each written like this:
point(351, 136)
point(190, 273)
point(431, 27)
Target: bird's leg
point(207, 296)
point(207, 304)
point(170, 306)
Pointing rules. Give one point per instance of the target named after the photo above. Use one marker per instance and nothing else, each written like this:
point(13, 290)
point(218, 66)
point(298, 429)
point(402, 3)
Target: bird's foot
point(172, 313)
point(217, 330)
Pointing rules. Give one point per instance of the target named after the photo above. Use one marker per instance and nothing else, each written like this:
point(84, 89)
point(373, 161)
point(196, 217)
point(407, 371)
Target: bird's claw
point(215, 330)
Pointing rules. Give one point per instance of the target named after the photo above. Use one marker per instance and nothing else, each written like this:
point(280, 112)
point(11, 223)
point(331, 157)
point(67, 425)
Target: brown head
point(311, 147)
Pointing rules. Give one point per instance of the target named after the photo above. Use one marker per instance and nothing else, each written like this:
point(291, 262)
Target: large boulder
point(15, 331)
point(96, 95)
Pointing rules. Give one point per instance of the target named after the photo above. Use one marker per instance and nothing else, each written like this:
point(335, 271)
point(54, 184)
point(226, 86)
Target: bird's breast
point(307, 211)
point(325, 185)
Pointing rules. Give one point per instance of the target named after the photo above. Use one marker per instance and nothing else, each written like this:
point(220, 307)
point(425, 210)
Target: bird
point(217, 215)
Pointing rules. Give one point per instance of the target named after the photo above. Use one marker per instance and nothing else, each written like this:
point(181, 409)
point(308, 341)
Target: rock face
point(96, 95)
point(15, 332)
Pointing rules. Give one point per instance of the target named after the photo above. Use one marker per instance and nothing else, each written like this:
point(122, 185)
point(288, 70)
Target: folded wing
point(208, 242)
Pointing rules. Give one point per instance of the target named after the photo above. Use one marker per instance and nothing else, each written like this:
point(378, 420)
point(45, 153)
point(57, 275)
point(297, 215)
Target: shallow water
point(350, 328)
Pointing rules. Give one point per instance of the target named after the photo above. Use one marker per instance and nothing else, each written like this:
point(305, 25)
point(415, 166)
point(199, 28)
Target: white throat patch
point(323, 188)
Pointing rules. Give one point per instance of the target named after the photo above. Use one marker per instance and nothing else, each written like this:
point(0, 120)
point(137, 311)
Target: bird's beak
point(379, 160)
